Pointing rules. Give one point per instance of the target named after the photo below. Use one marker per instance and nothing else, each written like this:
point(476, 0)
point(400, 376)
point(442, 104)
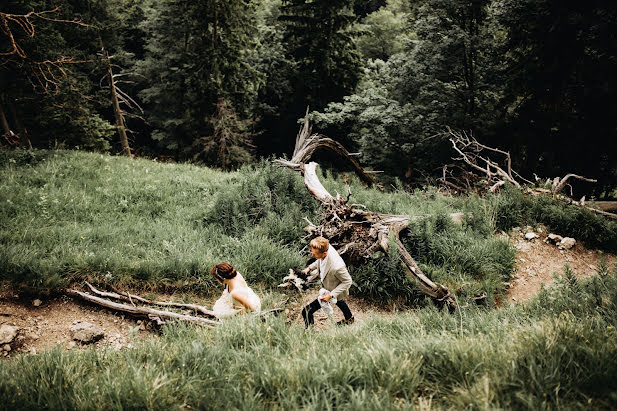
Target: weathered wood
point(124, 296)
point(141, 311)
point(124, 141)
point(604, 205)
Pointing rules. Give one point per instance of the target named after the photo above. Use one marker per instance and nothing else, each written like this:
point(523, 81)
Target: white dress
point(228, 306)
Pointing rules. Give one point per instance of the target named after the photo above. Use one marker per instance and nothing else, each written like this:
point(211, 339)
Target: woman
point(238, 297)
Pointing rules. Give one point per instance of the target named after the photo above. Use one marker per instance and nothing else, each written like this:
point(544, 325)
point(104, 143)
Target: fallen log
point(125, 296)
point(142, 311)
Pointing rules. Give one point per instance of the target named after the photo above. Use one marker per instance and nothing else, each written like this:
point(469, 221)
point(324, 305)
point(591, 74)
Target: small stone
point(36, 303)
point(72, 344)
point(6, 347)
point(7, 333)
point(513, 298)
point(86, 332)
point(567, 243)
point(530, 236)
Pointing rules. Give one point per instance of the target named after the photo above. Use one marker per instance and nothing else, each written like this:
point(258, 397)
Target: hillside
point(157, 228)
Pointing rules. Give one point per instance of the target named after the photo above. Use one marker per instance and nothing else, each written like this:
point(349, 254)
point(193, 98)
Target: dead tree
point(117, 97)
point(475, 166)
point(355, 232)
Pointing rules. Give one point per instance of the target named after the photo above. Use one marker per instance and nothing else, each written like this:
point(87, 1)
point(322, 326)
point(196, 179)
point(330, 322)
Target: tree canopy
point(534, 77)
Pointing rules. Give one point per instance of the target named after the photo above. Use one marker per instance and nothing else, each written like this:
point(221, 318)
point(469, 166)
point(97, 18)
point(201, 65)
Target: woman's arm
point(243, 298)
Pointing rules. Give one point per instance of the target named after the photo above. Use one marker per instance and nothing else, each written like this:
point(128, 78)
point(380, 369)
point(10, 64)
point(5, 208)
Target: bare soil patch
point(538, 262)
point(49, 325)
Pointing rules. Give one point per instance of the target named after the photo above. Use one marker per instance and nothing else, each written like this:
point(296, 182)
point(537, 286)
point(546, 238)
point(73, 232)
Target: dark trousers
point(309, 310)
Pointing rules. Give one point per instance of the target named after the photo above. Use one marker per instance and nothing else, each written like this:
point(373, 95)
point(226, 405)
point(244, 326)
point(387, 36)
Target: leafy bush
point(385, 281)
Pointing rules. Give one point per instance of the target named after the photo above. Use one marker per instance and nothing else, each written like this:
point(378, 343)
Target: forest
point(224, 83)
point(459, 155)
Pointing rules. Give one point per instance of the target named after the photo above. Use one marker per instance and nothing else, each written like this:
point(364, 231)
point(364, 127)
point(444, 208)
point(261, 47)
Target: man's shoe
point(345, 322)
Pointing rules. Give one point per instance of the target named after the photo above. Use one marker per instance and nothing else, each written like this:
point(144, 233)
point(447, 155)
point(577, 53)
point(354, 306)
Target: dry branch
point(125, 296)
point(476, 157)
point(142, 311)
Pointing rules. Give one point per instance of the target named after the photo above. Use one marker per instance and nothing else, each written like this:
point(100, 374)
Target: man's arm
point(311, 267)
point(343, 275)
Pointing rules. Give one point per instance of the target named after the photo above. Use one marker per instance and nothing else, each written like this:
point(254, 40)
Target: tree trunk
point(6, 130)
point(124, 141)
point(23, 133)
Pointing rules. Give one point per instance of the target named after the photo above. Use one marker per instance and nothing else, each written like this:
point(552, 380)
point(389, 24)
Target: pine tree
point(230, 144)
point(196, 53)
point(320, 41)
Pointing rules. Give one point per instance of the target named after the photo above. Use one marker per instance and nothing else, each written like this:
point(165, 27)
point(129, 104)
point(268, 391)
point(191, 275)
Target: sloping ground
point(48, 325)
point(537, 262)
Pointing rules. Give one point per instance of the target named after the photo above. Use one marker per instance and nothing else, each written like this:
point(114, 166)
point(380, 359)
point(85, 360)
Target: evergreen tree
point(321, 44)
point(561, 57)
point(230, 144)
point(196, 53)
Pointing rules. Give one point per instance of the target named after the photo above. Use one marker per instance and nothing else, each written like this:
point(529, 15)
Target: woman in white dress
point(238, 297)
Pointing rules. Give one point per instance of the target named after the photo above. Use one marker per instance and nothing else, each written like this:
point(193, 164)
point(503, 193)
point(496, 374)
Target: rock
point(6, 347)
point(567, 243)
point(553, 239)
point(7, 333)
point(530, 236)
point(86, 332)
point(36, 302)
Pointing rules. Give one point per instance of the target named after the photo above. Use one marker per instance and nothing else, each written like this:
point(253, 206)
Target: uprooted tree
point(476, 167)
point(355, 232)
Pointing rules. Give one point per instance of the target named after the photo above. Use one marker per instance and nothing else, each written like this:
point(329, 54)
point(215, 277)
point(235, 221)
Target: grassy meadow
point(71, 216)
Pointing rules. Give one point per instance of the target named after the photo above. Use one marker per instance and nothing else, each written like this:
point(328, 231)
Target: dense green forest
point(223, 83)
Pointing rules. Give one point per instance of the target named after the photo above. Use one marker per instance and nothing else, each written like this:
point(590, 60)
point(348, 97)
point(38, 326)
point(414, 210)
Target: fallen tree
point(476, 167)
point(144, 309)
point(355, 232)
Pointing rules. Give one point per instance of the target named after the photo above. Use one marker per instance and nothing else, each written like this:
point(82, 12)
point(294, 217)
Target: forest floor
point(48, 325)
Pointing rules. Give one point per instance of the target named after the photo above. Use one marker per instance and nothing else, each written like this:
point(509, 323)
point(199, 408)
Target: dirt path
point(49, 324)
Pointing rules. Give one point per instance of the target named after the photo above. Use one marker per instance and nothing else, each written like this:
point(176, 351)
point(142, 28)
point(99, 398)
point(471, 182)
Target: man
point(334, 277)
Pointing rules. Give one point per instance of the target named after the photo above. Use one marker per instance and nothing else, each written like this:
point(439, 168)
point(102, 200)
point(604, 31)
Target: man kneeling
point(334, 277)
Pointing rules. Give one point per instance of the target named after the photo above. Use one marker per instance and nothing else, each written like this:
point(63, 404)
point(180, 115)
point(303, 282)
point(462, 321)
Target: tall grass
point(513, 208)
point(514, 358)
point(72, 215)
point(68, 216)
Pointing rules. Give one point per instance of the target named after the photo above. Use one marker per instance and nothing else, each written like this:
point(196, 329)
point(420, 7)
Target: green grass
point(525, 357)
point(70, 216)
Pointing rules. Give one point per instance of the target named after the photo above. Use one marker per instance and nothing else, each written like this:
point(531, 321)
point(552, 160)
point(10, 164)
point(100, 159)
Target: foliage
point(559, 93)
point(319, 41)
point(229, 146)
point(198, 53)
point(384, 31)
